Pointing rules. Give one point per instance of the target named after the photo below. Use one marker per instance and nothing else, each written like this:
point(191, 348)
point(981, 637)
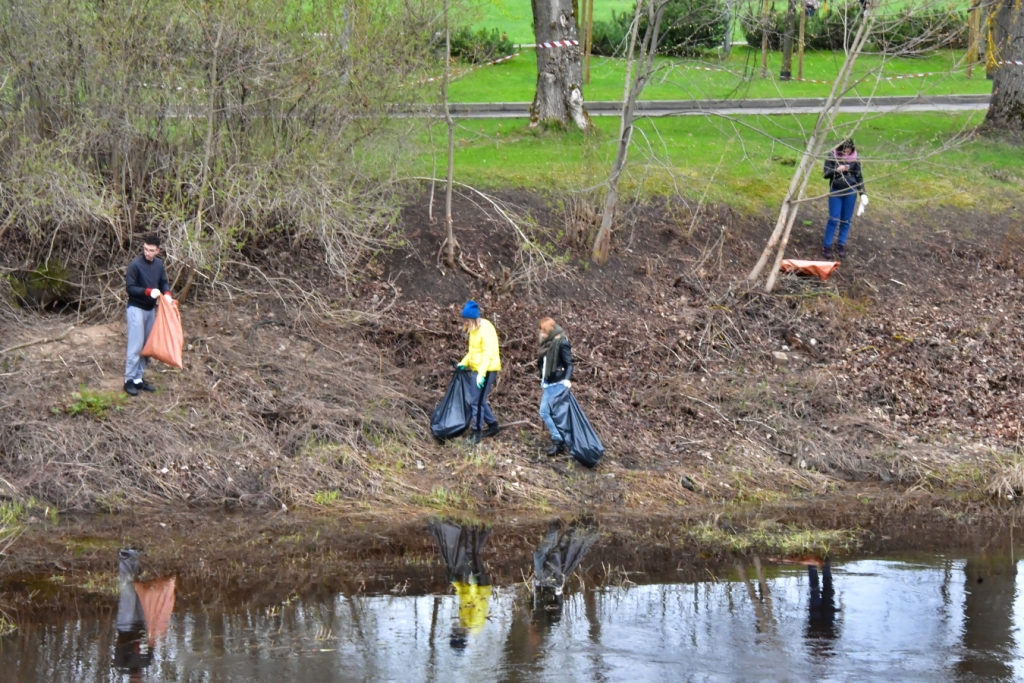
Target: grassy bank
point(736, 77)
point(748, 162)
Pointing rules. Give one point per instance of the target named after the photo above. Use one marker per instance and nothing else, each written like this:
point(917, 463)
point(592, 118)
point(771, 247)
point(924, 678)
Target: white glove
point(155, 293)
point(566, 383)
point(863, 204)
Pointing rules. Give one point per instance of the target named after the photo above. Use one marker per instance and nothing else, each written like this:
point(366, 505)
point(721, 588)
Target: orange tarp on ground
point(157, 599)
point(166, 340)
point(821, 269)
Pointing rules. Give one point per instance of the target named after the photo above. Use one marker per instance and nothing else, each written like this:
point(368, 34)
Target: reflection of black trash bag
point(557, 557)
point(460, 549)
point(580, 438)
point(554, 561)
point(452, 415)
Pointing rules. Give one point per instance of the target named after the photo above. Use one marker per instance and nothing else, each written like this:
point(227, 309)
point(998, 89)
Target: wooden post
point(800, 46)
point(972, 45)
point(589, 39)
point(764, 39)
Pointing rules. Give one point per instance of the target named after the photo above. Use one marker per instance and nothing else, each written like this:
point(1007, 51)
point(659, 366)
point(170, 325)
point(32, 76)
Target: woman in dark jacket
point(845, 180)
point(554, 362)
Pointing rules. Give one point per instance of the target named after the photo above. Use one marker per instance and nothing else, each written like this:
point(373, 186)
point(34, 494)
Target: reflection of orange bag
point(166, 340)
point(821, 269)
point(157, 600)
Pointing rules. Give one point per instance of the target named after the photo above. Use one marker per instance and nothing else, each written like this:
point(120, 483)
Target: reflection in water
point(900, 621)
point(143, 615)
point(554, 561)
point(989, 591)
point(821, 617)
point(460, 548)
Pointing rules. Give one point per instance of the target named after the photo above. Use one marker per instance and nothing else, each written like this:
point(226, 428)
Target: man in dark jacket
point(554, 361)
point(145, 281)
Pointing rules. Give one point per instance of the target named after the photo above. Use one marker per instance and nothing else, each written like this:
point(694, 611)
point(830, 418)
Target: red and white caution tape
point(558, 43)
point(902, 77)
point(472, 68)
point(1010, 62)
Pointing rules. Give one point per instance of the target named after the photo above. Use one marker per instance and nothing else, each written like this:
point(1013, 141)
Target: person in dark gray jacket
point(146, 282)
point(554, 361)
point(842, 169)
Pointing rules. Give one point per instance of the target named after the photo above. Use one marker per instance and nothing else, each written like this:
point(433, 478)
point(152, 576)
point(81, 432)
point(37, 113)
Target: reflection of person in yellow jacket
point(473, 604)
point(484, 359)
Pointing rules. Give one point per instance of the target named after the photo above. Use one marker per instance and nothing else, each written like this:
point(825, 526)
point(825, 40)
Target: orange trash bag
point(820, 269)
point(166, 340)
point(157, 600)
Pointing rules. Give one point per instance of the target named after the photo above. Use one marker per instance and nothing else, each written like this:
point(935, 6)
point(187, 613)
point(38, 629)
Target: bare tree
point(812, 152)
point(449, 239)
point(1006, 110)
point(639, 68)
point(239, 129)
point(559, 96)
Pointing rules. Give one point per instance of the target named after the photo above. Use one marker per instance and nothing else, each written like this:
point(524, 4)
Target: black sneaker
point(145, 386)
point(475, 437)
point(492, 429)
point(131, 389)
point(841, 250)
point(556, 448)
point(826, 253)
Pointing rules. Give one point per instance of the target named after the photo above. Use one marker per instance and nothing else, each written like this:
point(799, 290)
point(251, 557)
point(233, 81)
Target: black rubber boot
point(145, 386)
point(826, 253)
point(492, 429)
point(476, 437)
point(556, 448)
point(130, 388)
point(841, 251)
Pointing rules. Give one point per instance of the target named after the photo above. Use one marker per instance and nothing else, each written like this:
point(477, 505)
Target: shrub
point(610, 36)
point(477, 47)
point(692, 26)
point(826, 30)
point(916, 28)
point(688, 27)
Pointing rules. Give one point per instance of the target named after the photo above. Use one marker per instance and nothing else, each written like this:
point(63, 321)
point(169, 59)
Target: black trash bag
point(580, 438)
point(460, 549)
point(452, 416)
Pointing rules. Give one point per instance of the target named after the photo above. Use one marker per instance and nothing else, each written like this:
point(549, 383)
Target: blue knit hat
point(471, 310)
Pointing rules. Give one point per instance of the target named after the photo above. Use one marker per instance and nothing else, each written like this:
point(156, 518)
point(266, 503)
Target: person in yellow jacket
point(484, 359)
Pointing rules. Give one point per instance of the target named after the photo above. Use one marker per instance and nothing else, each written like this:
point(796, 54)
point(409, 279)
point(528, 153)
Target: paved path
point(764, 107)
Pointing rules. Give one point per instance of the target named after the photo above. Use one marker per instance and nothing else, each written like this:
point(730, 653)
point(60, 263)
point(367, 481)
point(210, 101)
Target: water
point(931, 619)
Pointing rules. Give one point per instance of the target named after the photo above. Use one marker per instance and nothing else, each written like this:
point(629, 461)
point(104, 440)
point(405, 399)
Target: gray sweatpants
point(140, 324)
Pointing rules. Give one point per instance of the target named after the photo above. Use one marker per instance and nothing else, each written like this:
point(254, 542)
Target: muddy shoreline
point(262, 560)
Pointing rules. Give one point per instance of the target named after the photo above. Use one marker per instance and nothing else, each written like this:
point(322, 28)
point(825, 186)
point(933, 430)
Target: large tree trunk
point(1007, 107)
point(559, 97)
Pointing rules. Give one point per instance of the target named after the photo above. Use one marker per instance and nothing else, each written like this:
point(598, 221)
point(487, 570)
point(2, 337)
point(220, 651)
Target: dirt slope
point(901, 374)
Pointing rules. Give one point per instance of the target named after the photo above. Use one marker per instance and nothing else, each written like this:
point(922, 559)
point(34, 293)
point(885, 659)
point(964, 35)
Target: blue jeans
point(840, 211)
point(481, 411)
point(550, 393)
point(140, 324)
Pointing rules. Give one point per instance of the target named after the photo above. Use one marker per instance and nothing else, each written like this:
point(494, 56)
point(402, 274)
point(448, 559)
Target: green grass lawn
point(515, 17)
point(748, 163)
point(515, 80)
